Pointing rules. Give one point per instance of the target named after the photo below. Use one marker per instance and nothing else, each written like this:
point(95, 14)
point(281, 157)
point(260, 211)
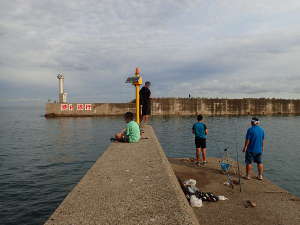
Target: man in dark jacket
point(145, 101)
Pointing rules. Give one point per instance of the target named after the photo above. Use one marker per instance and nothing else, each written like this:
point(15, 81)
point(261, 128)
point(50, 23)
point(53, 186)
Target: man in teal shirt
point(200, 131)
point(132, 132)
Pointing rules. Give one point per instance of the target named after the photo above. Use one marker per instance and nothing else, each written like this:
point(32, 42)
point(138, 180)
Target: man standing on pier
point(145, 101)
point(254, 147)
point(200, 131)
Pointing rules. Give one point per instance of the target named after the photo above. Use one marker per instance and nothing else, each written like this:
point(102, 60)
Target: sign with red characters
point(64, 107)
point(88, 107)
point(79, 107)
point(71, 107)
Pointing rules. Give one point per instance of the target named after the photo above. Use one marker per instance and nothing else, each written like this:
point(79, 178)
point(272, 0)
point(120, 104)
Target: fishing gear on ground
point(190, 189)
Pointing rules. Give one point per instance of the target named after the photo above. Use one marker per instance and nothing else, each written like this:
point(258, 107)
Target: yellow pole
point(137, 103)
point(137, 96)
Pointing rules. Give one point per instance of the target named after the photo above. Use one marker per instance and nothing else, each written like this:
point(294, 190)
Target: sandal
point(247, 177)
point(259, 177)
point(113, 140)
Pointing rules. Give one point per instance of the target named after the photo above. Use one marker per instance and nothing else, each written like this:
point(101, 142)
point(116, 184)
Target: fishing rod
point(224, 162)
point(225, 167)
point(237, 155)
point(238, 164)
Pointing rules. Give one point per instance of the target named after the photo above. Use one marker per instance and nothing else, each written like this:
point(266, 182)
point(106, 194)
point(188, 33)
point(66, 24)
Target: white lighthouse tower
point(62, 95)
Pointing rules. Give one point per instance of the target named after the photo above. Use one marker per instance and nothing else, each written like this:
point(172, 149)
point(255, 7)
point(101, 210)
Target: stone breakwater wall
point(182, 106)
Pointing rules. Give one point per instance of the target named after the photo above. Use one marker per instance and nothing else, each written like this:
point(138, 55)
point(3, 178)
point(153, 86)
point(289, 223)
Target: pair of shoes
point(198, 163)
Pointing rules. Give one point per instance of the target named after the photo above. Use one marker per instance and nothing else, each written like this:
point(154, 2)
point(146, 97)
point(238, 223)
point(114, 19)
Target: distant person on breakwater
point(131, 133)
point(200, 131)
point(254, 147)
point(145, 101)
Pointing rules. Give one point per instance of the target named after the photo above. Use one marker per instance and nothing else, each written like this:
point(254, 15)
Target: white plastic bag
point(222, 198)
point(190, 182)
point(195, 202)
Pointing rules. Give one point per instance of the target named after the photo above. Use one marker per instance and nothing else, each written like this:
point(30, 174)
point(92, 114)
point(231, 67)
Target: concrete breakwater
point(181, 106)
point(129, 184)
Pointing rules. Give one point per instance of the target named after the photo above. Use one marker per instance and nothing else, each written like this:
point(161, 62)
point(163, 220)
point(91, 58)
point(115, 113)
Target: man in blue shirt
point(200, 131)
point(254, 147)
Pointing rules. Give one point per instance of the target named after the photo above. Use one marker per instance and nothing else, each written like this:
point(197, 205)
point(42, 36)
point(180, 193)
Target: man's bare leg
point(198, 154)
point(119, 136)
point(248, 171)
point(145, 119)
point(203, 150)
point(260, 168)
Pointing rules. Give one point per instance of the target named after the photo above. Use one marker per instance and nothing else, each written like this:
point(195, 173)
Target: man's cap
point(255, 120)
point(148, 83)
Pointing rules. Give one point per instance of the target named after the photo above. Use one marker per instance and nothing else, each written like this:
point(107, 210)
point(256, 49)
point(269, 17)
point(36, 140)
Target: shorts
point(253, 157)
point(146, 109)
point(200, 142)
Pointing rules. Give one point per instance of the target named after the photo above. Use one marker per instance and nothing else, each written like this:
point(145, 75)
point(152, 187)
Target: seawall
point(182, 106)
point(215, 106)
point(129, 184)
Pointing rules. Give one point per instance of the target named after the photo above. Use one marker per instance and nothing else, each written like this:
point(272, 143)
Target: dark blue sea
point(41, 160)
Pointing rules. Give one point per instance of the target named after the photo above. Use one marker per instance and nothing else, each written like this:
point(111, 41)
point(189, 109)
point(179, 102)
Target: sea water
point(41, 159)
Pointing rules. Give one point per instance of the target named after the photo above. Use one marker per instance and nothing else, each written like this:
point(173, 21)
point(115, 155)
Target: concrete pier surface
point(274, 205)
point(129, 184)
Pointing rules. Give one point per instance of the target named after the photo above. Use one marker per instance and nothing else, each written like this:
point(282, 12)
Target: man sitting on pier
point(131, 133)
point(254, 147)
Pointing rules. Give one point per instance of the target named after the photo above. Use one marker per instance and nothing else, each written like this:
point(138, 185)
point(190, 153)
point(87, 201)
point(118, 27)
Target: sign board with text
point(77, 107)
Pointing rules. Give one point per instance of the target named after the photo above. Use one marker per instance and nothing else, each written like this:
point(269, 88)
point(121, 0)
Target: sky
point(206, 48)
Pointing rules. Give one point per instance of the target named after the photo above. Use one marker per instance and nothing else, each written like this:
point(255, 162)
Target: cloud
point(207, 48)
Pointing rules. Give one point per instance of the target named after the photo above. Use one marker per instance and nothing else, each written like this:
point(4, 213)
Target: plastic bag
point(222, 198)
point(191, 186)
point(195, 202)
point(206, 196)
point(190, 182)
point(192, 189)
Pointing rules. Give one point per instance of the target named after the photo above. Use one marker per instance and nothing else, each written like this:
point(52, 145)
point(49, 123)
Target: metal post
point(137, 103)
point(137, 96)
point(136, 80)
